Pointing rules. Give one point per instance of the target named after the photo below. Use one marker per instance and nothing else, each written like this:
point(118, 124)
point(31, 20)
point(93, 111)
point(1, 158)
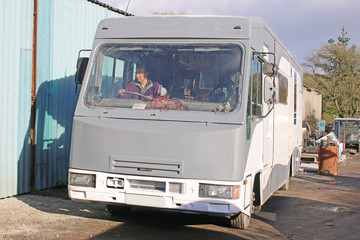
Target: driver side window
point(256, 87)
point(112, 76)
point(254, 107)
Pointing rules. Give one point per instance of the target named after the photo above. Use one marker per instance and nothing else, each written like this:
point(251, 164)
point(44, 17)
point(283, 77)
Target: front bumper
point(162, 193)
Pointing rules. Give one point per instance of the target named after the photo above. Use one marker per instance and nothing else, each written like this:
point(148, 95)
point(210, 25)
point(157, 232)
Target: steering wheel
point(138, 94)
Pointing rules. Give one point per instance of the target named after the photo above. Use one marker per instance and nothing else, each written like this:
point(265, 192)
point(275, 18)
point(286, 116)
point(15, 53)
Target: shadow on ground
point(310, 209)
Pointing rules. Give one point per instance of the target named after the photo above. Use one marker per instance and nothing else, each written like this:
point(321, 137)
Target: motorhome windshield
point(166, 77)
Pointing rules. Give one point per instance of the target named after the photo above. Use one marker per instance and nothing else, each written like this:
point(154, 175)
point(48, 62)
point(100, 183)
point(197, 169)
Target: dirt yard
point(314, 207)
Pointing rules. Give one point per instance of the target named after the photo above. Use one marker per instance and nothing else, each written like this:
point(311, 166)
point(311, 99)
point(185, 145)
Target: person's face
point(141, 75)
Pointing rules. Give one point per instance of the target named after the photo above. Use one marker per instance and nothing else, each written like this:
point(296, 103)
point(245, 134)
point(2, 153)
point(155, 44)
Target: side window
point(248, 115)
point(112, 76)
point(283, 89)
point(256, 87)
point(295, 97)
point(254, 107)
point(93, 89)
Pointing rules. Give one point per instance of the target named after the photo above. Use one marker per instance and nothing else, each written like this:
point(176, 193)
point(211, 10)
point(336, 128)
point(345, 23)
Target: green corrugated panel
point(64, 27)
point(15, 95)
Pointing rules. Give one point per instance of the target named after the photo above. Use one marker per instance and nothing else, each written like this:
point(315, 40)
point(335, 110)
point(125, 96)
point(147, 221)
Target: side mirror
point(80, 69)
point(269, 90)
point(270, 69)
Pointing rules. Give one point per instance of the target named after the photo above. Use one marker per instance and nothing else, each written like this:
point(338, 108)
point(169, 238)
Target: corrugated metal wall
point(15, 94)
point(64, 27)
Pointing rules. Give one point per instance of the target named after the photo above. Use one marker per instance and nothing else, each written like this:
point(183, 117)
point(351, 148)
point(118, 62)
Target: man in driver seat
point(143, 86)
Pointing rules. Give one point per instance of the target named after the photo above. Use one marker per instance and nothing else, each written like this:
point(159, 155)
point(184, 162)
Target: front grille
point(146, 167)
point(147, 185)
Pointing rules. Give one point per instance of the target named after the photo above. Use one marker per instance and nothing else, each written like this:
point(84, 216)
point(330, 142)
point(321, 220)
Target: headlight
point(84, 180)
point(218, 191)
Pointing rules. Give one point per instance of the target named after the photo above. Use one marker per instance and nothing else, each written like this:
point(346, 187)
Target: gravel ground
point(314, 207)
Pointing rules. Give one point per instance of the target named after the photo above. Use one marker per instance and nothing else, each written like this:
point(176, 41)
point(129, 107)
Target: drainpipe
point(33, 96)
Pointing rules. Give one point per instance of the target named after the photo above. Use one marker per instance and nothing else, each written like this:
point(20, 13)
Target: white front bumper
point(187, 200)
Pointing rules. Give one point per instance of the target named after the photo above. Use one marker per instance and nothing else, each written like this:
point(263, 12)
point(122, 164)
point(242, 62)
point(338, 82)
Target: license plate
point(143, 200)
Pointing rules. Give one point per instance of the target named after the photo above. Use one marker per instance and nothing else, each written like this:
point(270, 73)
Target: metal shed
point(40, 40)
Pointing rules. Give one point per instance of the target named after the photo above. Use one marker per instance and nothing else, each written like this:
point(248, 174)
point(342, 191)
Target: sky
point(302, 25)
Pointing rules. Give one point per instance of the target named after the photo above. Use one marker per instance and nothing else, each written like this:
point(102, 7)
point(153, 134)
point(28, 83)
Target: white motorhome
point(220, 133)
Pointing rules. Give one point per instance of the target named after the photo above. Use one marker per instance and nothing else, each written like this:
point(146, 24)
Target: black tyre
point(118, 210)
point(240, 221)
point(286, 185)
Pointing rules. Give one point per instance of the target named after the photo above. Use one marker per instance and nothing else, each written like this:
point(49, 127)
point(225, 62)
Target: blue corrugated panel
point(15, 95)
point(64, 27)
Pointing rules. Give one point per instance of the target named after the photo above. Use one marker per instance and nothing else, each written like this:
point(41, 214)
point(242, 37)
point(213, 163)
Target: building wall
point(312, 103)
point(72, 27)
point(64, 27)
point(15, 94)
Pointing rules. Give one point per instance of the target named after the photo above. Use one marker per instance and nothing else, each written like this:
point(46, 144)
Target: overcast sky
point(302, 25)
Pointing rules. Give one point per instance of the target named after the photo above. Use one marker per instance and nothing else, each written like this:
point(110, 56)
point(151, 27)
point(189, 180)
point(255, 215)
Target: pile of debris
point(312, 141)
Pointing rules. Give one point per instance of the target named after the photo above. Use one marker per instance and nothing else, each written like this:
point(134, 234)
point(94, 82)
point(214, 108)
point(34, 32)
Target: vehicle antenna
point(127, 6)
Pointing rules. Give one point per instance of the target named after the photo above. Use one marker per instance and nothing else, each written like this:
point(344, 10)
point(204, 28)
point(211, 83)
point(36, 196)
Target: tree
point(335, 68)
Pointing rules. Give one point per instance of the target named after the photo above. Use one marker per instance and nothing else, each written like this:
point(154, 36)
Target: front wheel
point(118, 210)
point(240, 221)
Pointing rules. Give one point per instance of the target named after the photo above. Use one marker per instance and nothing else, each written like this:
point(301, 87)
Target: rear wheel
point(286, 185)
point(118, 210)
